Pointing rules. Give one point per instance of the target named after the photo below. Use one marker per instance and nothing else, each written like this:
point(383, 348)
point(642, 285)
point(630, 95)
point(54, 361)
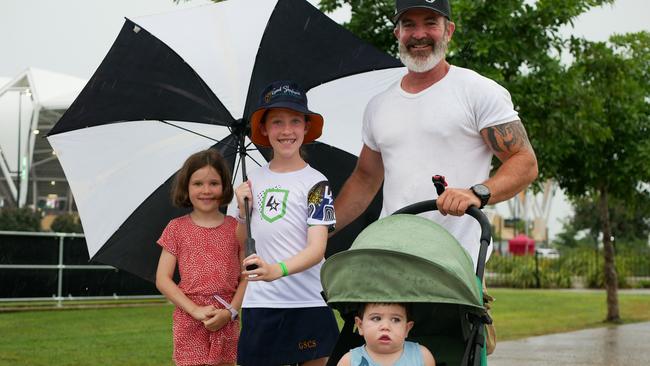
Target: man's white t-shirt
point(436, 132)
point(284, 206)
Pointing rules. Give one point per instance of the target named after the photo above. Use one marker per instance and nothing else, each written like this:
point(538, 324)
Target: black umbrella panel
point(175, 83)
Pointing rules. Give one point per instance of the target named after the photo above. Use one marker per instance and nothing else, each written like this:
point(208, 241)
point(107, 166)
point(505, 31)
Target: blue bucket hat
point(288, 95)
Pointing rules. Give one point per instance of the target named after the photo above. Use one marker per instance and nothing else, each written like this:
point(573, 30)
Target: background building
point(30, 174)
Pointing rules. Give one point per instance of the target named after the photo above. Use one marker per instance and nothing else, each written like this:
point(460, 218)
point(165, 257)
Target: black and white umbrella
point(176, 83)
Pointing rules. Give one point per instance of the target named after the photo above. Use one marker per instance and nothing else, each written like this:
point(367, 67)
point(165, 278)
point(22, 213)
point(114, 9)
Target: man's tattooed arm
point(509, 142)
point(507, 139)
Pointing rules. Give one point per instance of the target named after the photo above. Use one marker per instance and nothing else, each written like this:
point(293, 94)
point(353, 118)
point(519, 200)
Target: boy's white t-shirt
point(437, 132)
point(284, 205)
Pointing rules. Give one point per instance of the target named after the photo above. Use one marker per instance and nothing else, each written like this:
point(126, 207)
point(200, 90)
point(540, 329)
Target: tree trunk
point(609, 266)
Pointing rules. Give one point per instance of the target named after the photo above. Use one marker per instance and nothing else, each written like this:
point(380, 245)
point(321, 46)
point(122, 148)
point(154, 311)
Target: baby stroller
point(410, 259)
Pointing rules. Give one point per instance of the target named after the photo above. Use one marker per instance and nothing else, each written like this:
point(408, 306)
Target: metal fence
point(570, 268)
point(55, 266)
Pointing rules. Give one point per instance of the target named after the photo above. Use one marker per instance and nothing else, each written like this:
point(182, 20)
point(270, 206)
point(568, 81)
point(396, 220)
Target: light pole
point(18, 172)
point(19, 168)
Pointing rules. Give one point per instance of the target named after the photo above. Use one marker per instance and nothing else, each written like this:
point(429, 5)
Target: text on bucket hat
point(439, 6)
point(284, 94)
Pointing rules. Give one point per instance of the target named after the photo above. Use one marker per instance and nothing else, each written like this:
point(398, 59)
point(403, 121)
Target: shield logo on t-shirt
point(274, 204)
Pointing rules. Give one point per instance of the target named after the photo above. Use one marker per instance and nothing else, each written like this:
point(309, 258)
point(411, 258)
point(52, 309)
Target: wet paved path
point(608, 346)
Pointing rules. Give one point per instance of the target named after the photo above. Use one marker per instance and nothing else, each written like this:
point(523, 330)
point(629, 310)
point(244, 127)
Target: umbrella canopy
point(176, 83)
point(402, 258)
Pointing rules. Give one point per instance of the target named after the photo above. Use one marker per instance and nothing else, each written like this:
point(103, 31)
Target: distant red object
point(521, 245)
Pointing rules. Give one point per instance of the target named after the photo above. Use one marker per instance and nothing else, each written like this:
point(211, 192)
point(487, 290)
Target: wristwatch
point(482, 192)
point(234, 314)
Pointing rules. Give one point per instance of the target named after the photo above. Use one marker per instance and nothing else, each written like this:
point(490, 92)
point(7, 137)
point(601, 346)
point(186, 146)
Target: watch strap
point(483, 198)
point(234, 314)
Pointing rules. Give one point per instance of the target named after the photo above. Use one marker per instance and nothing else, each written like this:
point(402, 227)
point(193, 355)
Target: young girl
point(285, 320)
point(204, 245)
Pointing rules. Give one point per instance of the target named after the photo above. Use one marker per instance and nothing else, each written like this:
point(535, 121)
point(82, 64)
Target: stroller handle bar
point(486, 230)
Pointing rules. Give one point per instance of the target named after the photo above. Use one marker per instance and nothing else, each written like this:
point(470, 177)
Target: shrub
point(636, 260)
point(582, 265)
point(21, 219)
point(66, 223)
point(596, 277)
point(504, 264)
point(557, 279)
point(523, 276)
point(579, 261)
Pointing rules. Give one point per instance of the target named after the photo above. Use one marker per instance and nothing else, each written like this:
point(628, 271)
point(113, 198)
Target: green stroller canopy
point(402, 258)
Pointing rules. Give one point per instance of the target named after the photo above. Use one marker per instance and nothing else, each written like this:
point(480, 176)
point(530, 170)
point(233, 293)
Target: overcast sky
point(72, 36)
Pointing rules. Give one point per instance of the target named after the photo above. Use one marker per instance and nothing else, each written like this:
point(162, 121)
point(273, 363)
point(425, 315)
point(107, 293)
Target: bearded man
point(439, 119)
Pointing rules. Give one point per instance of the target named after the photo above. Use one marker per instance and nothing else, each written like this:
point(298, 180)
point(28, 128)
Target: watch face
point(481, 190)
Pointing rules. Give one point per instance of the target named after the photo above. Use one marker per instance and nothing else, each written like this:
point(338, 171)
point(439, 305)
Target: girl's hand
point(244, 191)
point(264, 271)
point(218, 321)
point(202, 313)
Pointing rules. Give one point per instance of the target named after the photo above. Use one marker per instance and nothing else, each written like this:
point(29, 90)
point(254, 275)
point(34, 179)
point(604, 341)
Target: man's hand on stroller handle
point(453, 201)
point(456, 201)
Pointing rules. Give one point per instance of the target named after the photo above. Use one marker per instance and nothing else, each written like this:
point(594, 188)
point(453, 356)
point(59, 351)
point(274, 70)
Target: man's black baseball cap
point(439, 6)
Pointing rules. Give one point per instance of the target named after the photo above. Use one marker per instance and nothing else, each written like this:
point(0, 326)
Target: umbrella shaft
point(250, 242)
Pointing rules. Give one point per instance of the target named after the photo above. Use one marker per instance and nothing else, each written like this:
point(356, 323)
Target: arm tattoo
point(508, 137)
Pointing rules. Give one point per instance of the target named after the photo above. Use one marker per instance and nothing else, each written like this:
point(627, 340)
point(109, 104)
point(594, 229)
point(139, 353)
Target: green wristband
point(283, 267)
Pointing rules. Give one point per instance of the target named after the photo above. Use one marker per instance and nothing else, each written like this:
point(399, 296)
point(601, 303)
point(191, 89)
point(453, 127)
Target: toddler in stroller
point(384, 328)
point(412, 260)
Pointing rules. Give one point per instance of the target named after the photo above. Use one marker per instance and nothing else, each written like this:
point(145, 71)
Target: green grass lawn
point(524, 313)
point(142, 335)
point(117, 336)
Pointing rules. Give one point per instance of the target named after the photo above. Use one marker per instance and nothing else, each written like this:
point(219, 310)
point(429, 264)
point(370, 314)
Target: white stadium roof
point(30, 104)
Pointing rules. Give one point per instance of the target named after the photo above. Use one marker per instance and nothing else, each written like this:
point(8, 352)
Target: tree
point(630, 220)
point(604, 149)
point(630, 223)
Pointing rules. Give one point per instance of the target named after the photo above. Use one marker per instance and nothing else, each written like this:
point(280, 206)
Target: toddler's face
point(384, 327)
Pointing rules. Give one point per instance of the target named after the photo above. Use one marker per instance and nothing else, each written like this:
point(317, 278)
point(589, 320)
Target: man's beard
point(417, 63)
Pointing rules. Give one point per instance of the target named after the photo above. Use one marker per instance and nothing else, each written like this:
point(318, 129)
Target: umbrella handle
point(250, 242)
point(250, 249)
